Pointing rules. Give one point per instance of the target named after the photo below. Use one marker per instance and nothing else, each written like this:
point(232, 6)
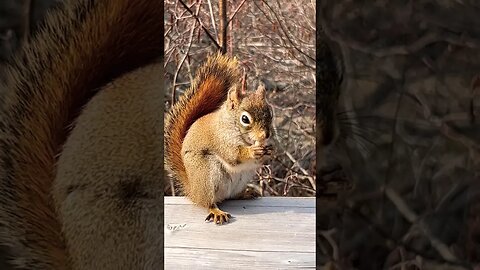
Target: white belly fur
point(240, 175)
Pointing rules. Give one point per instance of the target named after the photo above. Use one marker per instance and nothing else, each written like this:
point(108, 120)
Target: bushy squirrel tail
point(207, 93)
point(82, 46)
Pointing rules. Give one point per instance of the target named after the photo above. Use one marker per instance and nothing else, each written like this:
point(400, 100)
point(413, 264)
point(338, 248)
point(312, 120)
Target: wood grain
point(266, 233)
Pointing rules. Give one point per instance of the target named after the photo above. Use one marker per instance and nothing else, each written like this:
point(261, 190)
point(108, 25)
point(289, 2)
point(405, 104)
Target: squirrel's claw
point(218, 216)
point(268, 150)
point(261, 151)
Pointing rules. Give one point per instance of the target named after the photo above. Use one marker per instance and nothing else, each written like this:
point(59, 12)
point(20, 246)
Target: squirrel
point(81, 139)
point(216, 136)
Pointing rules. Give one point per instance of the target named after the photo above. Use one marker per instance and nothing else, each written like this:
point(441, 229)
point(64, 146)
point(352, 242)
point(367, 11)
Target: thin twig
point(244, 82)
point(412, 217)
point(305, 172)
point(287, 34)
point(235, 12)
point(190, 41)
point(422, 42)
point(212, 16)
point(381, 232)
point(201, 24)
point(328, 236)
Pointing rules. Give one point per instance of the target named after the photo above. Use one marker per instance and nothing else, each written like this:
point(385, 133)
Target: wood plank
point(263, 201)
point(273, 232)
point(180, 258)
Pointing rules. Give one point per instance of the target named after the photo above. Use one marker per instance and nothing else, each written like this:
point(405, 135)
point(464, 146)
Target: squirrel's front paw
point(261, 151)
point(218, 216)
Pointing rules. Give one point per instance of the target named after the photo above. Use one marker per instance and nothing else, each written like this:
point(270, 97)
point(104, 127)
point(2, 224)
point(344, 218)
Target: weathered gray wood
point(266, 233)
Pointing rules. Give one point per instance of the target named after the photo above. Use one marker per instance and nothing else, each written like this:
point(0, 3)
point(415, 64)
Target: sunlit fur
point(203, 133)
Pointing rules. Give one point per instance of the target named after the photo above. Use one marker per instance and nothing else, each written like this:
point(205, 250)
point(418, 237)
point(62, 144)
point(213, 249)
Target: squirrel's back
point(207, 93)
point(81, 47)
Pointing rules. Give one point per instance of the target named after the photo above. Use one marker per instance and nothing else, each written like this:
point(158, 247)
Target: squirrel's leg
point(207, 184)
point(247, 194)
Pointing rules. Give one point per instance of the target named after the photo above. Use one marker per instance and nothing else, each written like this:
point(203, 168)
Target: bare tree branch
point(201, 24)
point(212, 17)
point(235, 12)
point(179, 67)
point(222, 18)
point(403, 208)
point(286, 32)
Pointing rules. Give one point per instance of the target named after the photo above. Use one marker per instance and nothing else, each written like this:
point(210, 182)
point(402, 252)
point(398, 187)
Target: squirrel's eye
point(245, 119)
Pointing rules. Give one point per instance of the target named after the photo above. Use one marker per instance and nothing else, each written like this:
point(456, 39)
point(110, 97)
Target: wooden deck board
point(266, 233)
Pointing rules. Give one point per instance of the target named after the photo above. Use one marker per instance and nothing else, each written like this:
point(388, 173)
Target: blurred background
point(405, 166)
point(18, 20)
point(275, 44)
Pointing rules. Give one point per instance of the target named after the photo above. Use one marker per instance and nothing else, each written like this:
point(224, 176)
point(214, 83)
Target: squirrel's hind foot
point(218, 216)
point(247, 194)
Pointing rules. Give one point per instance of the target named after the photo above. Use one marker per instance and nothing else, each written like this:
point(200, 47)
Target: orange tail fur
point(81, 47)
point(207, 93)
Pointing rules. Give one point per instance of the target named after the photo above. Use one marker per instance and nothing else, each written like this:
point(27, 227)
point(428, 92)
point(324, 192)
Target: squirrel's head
point(252, 114)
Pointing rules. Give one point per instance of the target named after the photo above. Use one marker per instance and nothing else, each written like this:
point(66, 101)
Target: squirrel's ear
point(234, 97)
point(261, 91)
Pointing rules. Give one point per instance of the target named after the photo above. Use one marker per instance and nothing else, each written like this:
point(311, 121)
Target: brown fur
point(207, 149)
point(207, 93)
point(81, 47)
